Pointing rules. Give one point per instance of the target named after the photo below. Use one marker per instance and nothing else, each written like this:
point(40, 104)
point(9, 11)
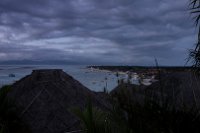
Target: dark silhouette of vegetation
point(195, 54)
point(93, 120)
point(129, 115)
point(154, 116)
point(137, 110)
point(9, 120)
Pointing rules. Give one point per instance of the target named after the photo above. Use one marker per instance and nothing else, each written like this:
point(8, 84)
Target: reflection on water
point(94, 80)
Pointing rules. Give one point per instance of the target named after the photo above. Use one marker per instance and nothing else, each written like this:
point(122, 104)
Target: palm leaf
point(93, 120)
point(194, 55)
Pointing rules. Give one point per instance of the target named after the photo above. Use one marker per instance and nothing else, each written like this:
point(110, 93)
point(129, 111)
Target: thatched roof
point(45, 97)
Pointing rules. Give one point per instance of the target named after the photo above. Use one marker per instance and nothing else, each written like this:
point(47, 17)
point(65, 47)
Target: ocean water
point(94, 80)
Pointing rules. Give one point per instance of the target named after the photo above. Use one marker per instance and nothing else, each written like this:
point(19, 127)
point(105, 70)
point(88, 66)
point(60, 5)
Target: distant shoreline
point(141, 69)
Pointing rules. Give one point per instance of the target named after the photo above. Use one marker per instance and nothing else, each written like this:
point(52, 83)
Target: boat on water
point(148, 80)
point(11, 75)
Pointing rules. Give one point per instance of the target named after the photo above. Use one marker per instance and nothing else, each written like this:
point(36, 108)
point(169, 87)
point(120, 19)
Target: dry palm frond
point(195, 54)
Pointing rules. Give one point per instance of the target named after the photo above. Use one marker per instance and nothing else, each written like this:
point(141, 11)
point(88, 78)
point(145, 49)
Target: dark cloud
point(96, 31)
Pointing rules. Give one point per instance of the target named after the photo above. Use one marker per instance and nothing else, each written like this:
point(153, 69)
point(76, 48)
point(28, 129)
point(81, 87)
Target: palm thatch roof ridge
point(45, 97)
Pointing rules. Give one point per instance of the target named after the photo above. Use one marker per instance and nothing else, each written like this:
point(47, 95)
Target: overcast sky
point(126, 32)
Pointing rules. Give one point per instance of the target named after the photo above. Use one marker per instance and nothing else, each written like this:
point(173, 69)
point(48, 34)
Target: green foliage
point(4, 108)
point(9, 121)
point(3, 129)
point(151, 114)
point(94, 120)
point(131, 115)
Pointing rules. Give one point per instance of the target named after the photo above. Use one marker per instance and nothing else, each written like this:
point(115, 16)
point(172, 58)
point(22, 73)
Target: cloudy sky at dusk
point(131, 32)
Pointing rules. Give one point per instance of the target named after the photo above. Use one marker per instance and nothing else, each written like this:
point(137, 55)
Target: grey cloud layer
point(108, 31)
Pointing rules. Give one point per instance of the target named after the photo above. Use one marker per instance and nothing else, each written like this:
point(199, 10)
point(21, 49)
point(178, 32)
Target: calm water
point(94, 80)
